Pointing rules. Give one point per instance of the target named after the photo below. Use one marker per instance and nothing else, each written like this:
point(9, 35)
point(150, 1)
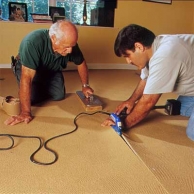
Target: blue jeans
point(187, 109)
point(45, 85)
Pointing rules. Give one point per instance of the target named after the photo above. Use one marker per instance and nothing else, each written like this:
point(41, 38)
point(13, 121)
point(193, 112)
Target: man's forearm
point(141, 109)
point(135, 117)
point(25, 99)
point(138, 92)
point(25, 89)
point(83, 73)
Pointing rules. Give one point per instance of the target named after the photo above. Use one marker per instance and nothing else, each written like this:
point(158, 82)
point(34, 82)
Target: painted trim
point(90, 66)
point(5, 66)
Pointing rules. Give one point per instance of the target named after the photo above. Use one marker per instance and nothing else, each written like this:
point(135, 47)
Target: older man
point(43, 54)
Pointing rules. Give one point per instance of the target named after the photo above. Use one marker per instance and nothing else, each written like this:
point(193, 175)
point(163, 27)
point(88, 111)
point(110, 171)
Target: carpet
point(95, 159)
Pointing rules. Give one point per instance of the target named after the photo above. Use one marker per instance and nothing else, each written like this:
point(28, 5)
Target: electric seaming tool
point(119, 127)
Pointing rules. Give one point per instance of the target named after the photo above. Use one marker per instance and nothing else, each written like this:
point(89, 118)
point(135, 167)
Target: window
point(73, 8)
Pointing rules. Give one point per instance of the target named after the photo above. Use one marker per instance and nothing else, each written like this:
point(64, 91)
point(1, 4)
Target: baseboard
point(90, 66)
point(5, 66)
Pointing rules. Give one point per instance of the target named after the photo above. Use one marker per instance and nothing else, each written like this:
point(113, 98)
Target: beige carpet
point(94, 159)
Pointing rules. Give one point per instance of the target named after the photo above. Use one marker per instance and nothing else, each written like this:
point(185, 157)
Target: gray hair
point(56, 30)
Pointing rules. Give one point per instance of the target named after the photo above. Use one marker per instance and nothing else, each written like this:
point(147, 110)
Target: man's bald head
point(64, 36)
point(62, 30)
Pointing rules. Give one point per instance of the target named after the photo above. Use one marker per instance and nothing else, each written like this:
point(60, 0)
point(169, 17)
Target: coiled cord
point(44, 144)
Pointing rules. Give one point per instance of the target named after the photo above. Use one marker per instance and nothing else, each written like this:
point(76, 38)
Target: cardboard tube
point(10, 105)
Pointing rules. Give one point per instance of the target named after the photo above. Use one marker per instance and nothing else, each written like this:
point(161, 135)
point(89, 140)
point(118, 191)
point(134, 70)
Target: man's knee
point(58, 94)
point(190, 127)
point(39, 98)
point(187, 105)
point(58, 97)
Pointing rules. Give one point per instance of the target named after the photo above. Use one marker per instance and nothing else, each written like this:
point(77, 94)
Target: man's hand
point(18, 119)
point(87, 91)
point(119, 109)
point(126, 104)
point(24, 93)
point(108, 122)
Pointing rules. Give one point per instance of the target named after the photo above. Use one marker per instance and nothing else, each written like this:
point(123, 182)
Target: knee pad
point(10, 105)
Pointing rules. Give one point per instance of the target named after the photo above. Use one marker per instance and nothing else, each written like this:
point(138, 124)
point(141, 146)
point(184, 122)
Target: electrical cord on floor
point(44, 144)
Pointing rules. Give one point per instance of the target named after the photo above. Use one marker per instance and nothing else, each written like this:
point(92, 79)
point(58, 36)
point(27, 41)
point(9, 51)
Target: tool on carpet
point(10, 105)
point(172, 107)
point(92, 103)
point(119, 127)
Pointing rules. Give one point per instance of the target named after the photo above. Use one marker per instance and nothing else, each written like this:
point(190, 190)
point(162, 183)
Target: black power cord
point(44, 144)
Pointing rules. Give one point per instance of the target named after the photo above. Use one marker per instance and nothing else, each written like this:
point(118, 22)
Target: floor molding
point(90, 66)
